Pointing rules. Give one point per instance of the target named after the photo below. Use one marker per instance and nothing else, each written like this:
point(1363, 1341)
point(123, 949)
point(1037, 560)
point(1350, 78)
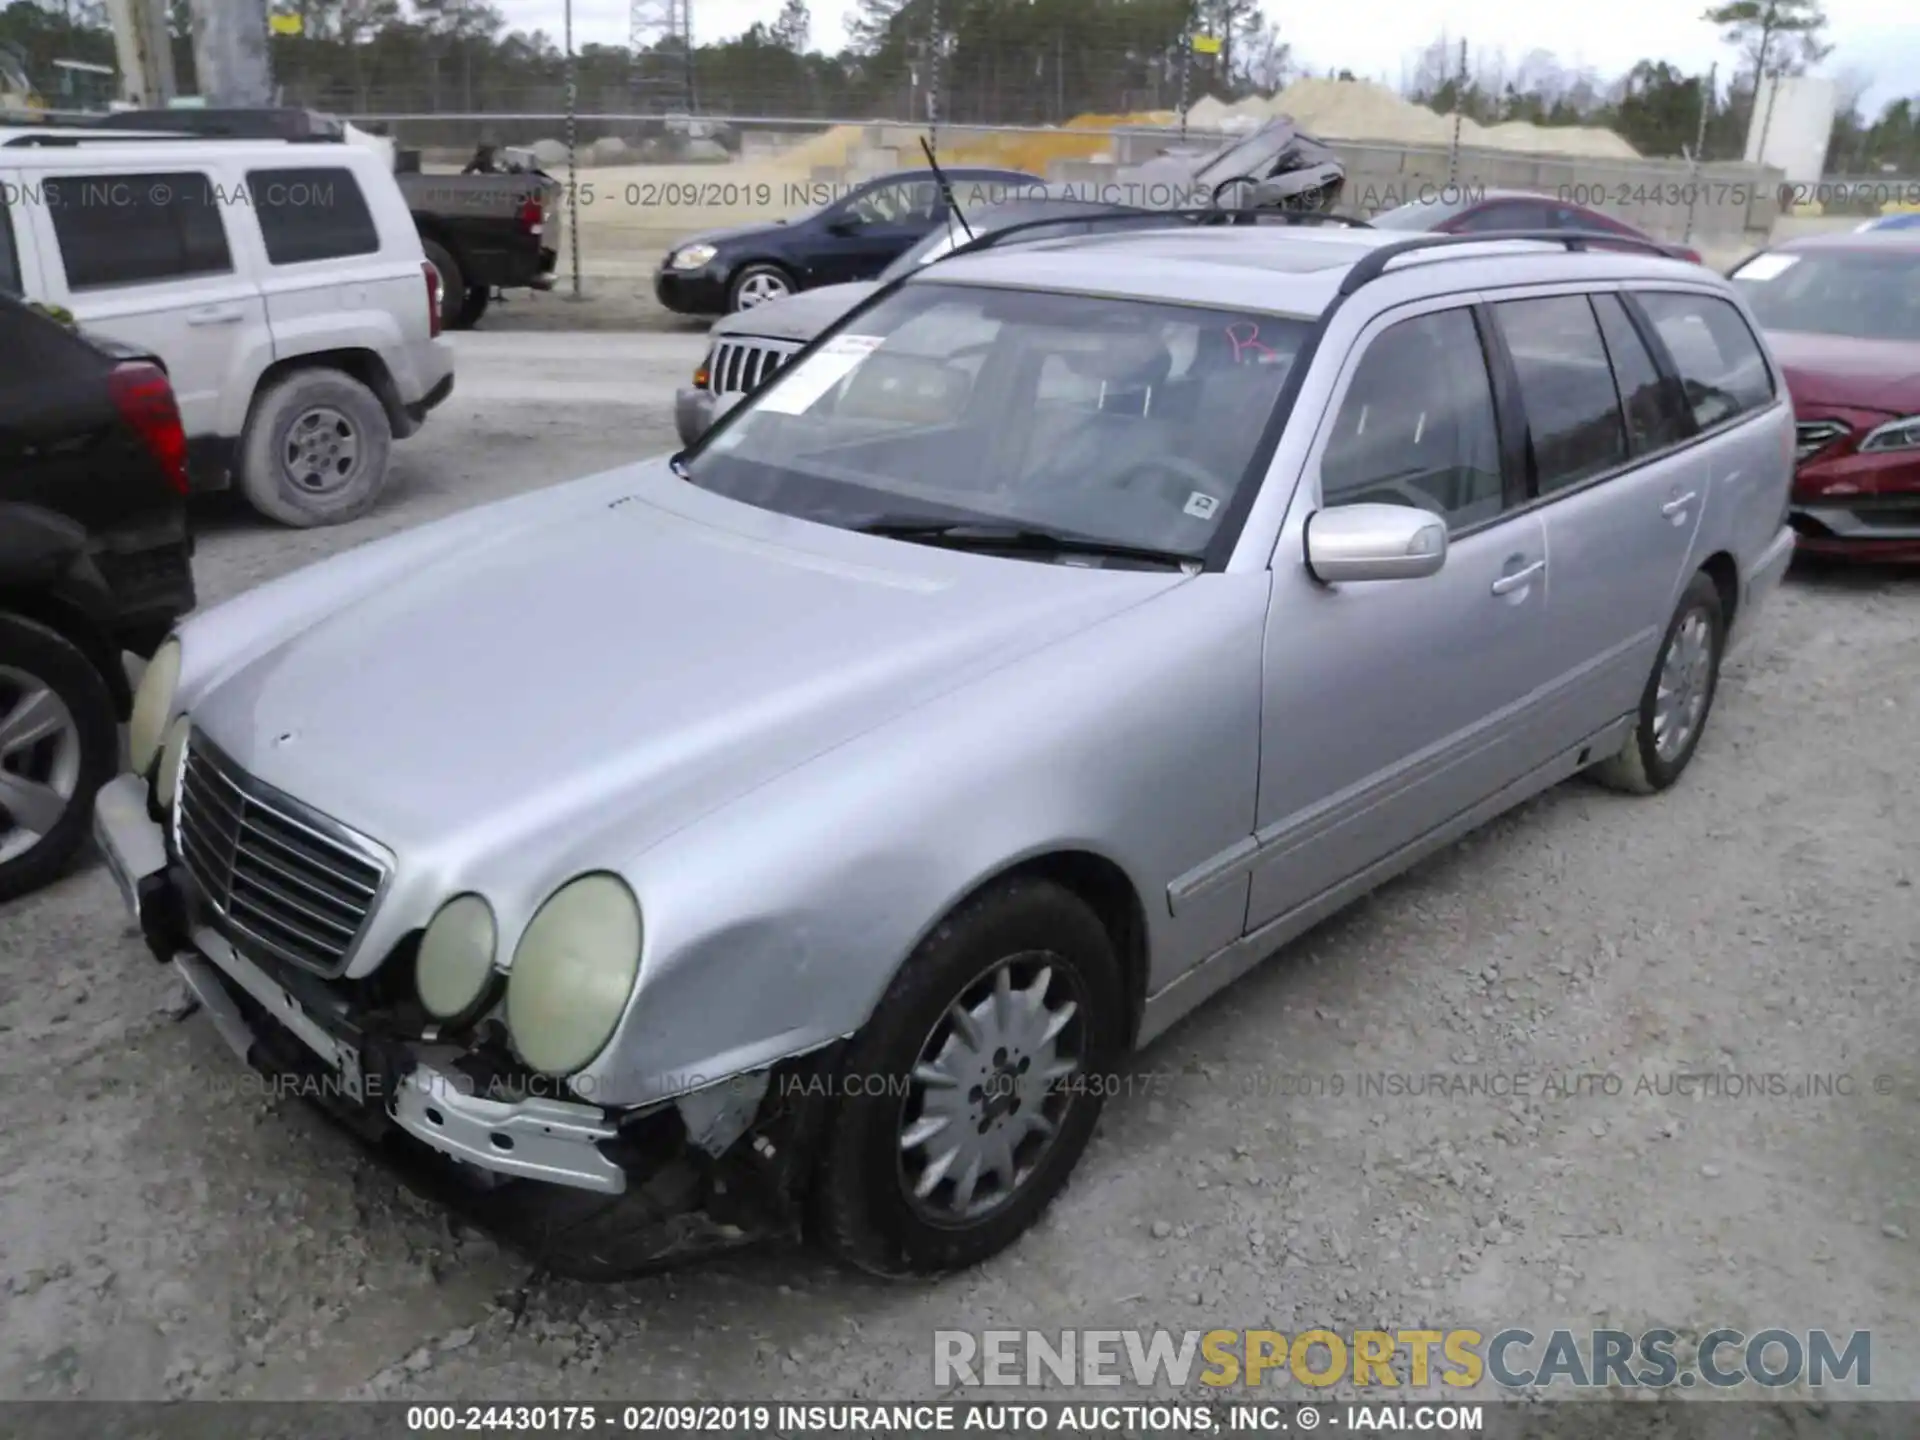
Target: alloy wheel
point(39, 760)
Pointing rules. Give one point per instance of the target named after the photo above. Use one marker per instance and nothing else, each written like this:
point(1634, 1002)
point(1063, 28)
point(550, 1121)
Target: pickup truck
point(482, 230)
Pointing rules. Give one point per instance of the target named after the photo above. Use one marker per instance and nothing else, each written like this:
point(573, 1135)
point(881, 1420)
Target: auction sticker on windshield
point(800, 385)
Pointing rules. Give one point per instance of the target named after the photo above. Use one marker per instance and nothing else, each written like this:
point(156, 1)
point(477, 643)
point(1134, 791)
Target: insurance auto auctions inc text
point(1512, 1359)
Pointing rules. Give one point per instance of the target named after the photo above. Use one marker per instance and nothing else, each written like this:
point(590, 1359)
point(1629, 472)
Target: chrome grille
point(1810, 437)
point(289, 880)
point(739, 366)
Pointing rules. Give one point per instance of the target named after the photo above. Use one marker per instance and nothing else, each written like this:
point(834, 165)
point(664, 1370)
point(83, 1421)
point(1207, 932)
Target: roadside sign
point(1206, 44)
point(284, 24)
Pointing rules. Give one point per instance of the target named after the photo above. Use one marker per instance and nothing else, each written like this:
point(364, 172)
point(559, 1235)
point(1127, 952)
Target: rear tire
point(453, 284)
point(1678, 698)
point(48, 780)
point(316, 450)
point(1050, 944)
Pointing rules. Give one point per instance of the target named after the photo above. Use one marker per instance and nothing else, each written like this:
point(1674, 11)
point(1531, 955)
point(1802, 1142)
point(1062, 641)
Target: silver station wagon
point(794, 836)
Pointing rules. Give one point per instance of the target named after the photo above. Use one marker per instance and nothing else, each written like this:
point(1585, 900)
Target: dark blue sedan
point(853, 235)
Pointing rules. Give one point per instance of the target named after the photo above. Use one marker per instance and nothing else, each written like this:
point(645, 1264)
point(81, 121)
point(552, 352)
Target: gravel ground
point(167, 1230)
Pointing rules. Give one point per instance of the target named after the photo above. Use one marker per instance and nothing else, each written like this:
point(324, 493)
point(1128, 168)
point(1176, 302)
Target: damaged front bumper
point(602, 1193)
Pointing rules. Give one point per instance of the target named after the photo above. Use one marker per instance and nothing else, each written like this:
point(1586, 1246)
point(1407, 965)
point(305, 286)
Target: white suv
point(283, 285)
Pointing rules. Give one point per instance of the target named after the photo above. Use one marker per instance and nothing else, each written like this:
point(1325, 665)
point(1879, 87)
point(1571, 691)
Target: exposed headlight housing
point(166, 780)
point(691, 257)
point(1894, 435)
point(454, 964)
point(152, 705)
point(573, 972)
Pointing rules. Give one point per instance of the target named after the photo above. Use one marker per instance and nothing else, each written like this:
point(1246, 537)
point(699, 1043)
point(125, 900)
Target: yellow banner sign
point(1206, 44)
point(285, 24)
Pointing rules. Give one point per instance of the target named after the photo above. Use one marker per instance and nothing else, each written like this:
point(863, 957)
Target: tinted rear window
point(136, 229)
point(311, 215)
point(1719, 361)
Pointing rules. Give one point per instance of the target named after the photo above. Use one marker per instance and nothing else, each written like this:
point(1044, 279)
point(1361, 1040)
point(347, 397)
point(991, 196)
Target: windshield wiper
point(1022, 539)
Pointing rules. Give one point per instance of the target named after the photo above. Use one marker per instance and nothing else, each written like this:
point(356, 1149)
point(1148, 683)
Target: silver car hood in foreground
point(797, 317)
point(593, 671)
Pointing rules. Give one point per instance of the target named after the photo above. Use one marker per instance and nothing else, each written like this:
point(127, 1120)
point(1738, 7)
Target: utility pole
point(1699, 147)
point(1459, 113)
point(1186, 66)
point(573, 167)
point(230, 53)
point(934, 47)
point(144, 51)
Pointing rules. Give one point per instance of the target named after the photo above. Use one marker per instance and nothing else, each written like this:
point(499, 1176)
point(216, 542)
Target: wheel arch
point(1094, 878)
point(1721, 568)
point(363, 365)
point(46, 577)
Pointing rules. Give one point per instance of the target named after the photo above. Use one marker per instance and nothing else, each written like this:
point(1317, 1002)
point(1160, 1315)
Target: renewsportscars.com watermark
point(1513, 1358)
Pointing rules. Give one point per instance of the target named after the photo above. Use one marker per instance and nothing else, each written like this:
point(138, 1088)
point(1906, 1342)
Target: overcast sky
point(1376, 38)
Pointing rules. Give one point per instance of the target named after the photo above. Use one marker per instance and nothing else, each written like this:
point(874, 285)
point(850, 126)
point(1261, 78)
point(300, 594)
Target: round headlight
point(166, 781)
point(152, 703)
point(572, 973)
point(455, 960)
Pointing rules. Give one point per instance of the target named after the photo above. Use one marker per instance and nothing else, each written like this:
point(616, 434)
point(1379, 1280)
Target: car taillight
point(144, 396)
point(533, 219)
point(433, 299)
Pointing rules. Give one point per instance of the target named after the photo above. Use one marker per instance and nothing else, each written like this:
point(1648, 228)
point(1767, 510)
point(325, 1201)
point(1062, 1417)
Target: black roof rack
point(1144, 217)
point(1373, 264)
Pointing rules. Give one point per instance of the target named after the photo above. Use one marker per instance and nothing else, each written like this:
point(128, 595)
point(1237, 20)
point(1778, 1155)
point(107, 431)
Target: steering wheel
point(1177, 478)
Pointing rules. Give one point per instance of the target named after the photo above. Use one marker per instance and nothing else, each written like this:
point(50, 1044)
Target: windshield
point(1420, 215)
point(1121, 420)
point(1862, 294)
point(1245, 156)
point(936, 243)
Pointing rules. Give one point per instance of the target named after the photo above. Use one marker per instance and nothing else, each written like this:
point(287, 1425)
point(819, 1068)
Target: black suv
point(94, 561)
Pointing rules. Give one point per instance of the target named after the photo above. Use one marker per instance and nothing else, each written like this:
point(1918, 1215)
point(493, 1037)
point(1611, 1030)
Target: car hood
point(797, 317)
point(619, 664)
point(1840, 370)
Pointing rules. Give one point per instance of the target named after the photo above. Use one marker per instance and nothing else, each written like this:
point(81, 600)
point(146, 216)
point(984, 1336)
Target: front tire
point(1678, 698)
point(59, 743)
point(969, 1097)
point(758, 285)
point(316, 450)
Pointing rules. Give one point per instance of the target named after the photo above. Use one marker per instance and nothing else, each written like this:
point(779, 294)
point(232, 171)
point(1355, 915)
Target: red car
point(1508, 210)
point(1842, 315)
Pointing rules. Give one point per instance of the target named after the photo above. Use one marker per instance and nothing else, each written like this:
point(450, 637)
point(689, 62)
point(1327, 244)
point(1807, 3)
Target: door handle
point(1679, 502)
point(1507, 584)
point(214, 315)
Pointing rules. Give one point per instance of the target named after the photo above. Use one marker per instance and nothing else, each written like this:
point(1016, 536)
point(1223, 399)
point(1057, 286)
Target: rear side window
point(136, 229)
point(1720, 363)
point(1566, 387)
point(35, 350)
point(1417, 425)
point(1656, 412)
point(311, 215)
point(10, 280)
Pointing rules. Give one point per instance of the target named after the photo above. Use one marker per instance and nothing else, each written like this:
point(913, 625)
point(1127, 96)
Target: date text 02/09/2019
point(914, 1419)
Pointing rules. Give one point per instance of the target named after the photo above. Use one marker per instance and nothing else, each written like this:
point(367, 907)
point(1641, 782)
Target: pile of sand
point(1361, 110)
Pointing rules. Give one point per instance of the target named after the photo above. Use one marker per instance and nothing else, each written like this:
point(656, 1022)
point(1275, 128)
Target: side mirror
point(1374, 542)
